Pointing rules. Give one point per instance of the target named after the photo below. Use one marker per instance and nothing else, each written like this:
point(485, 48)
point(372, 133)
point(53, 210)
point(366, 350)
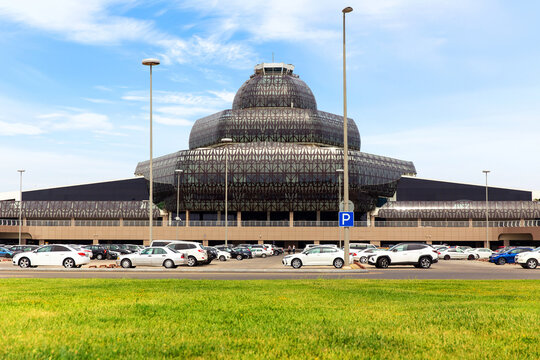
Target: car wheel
point(501, 261)
point(169, 264)
point(424, 262)
point(383, 263)
point(126, 263)
point(263, 256)
point(69, 263)
point(222, 258)
point(477, 256)
point(338, 263)
point(446, 257)
point(24, 262)
point(239, 257)
point(191, 261)
point(363, 259)
point(99, 256)
point(532, 264)
point(471, 257)
point(296, 263)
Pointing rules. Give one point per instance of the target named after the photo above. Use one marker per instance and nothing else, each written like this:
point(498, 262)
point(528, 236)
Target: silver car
point(153, 256)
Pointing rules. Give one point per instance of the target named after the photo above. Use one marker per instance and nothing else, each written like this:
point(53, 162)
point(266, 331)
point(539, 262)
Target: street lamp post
point(151, 63)
point(345, 145)
point(339, 172)
point(178, 173)
point(226, 140)
point(20, 205)
point(487, 209)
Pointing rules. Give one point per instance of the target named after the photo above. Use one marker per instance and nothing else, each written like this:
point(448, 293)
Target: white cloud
point(99, 101)
point(12, 129)
point(170, 121)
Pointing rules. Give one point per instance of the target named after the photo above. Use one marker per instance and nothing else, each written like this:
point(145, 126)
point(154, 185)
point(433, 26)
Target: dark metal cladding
point(269, 176)
point(286, 125)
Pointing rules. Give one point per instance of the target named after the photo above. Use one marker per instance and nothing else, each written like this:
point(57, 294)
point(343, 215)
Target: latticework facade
point(283, 156)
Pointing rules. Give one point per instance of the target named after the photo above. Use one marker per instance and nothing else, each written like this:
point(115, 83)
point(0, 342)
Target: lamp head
point(150, 62)
point(348, 9)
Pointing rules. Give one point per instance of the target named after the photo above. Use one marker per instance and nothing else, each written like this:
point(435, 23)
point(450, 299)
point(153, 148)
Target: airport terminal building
point(279, 158)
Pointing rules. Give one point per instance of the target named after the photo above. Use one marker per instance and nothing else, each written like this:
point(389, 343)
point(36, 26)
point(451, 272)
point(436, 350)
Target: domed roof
point(274, 85)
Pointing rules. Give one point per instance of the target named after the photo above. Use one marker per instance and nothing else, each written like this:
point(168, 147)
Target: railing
point(97, 222)
point(502, 223)
point(396, 223)
point(254, 223)
point(211, 223)
point(142, 223)
point(48, 223)
point(251, 223)
point(531, 223)
point(9, 222)
point(430, 223)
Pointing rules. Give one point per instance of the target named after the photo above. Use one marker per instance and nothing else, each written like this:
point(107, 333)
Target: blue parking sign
point(346, 218)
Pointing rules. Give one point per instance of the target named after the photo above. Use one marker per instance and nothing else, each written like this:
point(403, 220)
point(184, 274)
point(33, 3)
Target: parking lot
point(271, 268)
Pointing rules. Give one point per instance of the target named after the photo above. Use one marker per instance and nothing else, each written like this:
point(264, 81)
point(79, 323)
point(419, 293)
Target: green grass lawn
point(304, 319)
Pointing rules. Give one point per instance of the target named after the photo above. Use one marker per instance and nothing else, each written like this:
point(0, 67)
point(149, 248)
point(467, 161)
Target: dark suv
point(98, 251)
point(117, 248)
point(212, 253)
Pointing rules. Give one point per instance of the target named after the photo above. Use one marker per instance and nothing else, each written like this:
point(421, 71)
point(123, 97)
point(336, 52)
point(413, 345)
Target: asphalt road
point(271, 268)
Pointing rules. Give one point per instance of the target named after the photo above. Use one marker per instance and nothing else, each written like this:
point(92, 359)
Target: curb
point(280, 271)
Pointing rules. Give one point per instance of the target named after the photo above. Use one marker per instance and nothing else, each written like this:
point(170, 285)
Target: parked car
point(153, 256)
point(480, 253)
point(223, 255)
point(258, 252)
point(320, 255)
point(52, 255)
point(16, 249)
point(116, 248)
point(4, 252)
point(456, 254)
point(417, 254)
point(212, 254)
point(233, 252)
point(194, 251)
point(361, 246)
point(363, 255)
point(528, 259)
point(244, 252)
point(98, 251)
point(507, 256)
point(265, 249)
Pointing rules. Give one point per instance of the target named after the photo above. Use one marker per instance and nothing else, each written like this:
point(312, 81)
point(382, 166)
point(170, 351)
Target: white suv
point(193, 250)
point(529, 259)
point(417, 254)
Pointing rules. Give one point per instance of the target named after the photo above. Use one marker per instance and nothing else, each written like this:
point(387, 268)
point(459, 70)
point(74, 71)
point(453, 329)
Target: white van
point(194, 251)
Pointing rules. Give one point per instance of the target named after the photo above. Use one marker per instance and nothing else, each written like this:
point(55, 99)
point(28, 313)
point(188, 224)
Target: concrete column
point(372, 222)
point(72, 221)
point(376, 243)
point(121, 222)
point(291, 218)
point(471, 225)
point(318, 216)
point(506, 242)
point(187, 218)
point(205, 242)
point(419, 222)
point(218, 216)
point(268, 216)
point(166, 219)
point(521, 222)
point(95, 241)
point(41, 242)
point(239, 218)
point(316, 242)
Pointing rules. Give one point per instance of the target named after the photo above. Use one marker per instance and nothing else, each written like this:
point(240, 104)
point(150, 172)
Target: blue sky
point(453, 85)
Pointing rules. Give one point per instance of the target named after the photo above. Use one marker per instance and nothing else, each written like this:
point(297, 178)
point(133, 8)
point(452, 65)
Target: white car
point(417, 254)
point(194, 251)
point(223, 255)
point(361, 246)
point(456, 253)
point(52, 255)
point(258, 252)
point(480, 253)
point(362, 255)
point(529, 259)
point(153, 256)
point(320, 255)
